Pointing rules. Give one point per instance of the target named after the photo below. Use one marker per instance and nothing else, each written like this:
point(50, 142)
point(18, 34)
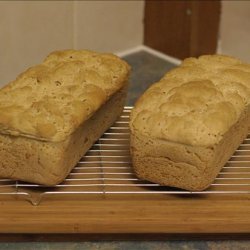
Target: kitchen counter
point(130, 245)
point(146, 70)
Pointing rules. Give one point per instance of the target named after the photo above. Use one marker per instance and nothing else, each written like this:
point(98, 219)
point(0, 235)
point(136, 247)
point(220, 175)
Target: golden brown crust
point(49, 101)
point(185, 166)
point(195, 103)
point(48, 163)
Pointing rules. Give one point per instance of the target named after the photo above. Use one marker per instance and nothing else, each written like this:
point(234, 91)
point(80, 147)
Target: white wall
point(29, 30)
point(235, 29)
point(110, 25)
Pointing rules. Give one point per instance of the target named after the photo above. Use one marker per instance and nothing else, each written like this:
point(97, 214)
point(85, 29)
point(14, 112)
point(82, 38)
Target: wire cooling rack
point(106, 169)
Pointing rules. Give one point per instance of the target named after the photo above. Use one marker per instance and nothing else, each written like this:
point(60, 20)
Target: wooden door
point(182, 28)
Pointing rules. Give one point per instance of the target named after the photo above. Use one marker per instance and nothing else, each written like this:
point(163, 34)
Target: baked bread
point(185, 127)
point(53, 113)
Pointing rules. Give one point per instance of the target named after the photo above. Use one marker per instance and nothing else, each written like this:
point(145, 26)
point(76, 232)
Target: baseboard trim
point(154, 52)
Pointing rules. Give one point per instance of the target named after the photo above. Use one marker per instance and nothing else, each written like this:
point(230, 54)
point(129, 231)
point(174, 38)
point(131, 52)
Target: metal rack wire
point(106, 169)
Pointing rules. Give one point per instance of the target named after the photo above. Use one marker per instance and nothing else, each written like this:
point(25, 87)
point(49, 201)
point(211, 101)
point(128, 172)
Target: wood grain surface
point(128, 215)
point(182, 28)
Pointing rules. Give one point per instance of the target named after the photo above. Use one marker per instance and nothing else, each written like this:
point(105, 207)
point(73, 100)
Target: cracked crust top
point(49, 101)
point(195, 103)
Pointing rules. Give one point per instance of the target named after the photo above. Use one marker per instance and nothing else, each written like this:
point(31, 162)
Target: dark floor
point(146, 69)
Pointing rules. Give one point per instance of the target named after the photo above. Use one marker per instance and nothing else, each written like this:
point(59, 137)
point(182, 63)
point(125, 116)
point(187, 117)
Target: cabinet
point(182, 28)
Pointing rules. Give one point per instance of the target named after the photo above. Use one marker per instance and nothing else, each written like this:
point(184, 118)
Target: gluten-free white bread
point(185, 127)
point(53, 113)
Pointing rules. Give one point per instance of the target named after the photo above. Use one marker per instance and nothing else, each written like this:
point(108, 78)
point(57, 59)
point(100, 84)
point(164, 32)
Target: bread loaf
point(53, 113)
point(185, 127)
